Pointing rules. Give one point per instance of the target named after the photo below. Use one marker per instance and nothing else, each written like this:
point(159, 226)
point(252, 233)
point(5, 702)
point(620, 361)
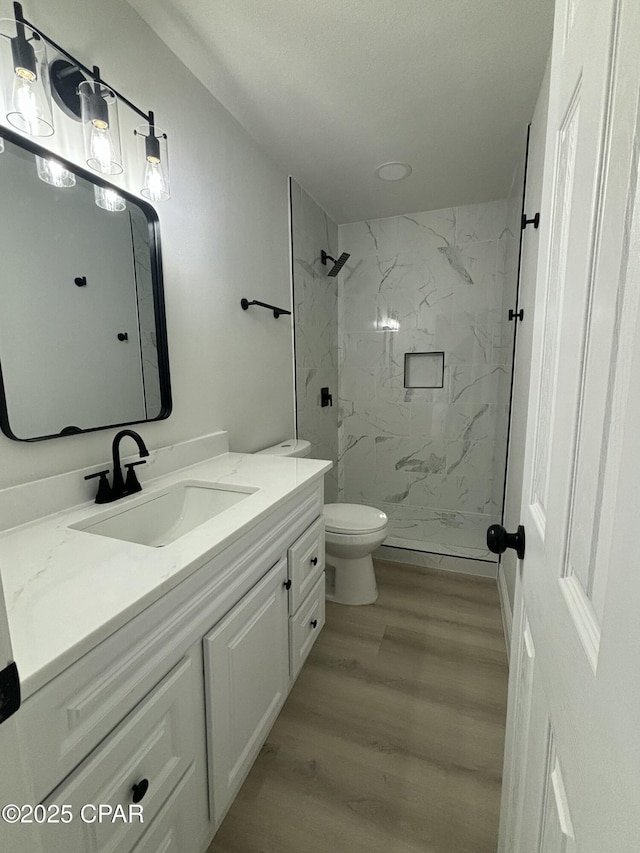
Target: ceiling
point(333, 88)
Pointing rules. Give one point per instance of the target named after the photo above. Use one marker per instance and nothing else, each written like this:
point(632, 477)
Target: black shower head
point(337, 264)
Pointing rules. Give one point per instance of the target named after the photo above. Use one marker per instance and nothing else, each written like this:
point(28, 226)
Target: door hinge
point(9, 691)
point(535, 221)
point(516, 315)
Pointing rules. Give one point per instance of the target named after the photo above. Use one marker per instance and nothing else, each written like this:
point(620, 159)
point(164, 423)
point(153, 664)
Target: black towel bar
point(276, 311)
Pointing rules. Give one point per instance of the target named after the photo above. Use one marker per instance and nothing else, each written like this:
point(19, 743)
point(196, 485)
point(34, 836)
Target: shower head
point(337, 264)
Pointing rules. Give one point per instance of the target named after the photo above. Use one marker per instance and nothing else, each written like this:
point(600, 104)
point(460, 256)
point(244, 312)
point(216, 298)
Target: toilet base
point(355, 580)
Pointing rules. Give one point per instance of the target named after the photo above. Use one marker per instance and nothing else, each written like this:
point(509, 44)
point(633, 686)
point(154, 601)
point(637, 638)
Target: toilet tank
point(289, 447)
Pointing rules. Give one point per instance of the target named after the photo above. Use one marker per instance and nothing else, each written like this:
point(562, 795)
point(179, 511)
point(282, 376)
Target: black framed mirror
point(83, 341)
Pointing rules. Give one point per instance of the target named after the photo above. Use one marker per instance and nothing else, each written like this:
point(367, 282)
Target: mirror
point(82, 326)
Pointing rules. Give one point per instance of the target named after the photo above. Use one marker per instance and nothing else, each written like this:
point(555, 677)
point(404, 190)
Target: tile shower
point(432, 459)
point(434, 282)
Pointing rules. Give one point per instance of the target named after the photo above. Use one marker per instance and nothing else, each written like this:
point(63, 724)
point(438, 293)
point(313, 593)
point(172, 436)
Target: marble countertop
point(67, 590)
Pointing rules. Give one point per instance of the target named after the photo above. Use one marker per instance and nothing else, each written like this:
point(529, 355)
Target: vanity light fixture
point(99, 111)
point(82, 95)
point(108, 199)
point(154, 155)
point(52, 172)
point(28, 96)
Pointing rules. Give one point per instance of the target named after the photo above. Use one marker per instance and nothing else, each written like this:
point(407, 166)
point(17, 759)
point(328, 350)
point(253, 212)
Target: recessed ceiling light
point(393, 171)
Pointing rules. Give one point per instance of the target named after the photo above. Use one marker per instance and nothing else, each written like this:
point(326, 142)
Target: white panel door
point(572, 764)
point(524, 332)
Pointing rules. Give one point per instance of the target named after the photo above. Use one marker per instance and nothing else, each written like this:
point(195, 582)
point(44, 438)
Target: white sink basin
point(165, 516)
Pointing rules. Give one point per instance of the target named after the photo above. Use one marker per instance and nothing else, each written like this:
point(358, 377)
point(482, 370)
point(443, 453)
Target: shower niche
point(424, 370)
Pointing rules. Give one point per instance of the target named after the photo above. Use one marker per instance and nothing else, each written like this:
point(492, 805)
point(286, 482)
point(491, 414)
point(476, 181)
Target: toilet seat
point(353, 518)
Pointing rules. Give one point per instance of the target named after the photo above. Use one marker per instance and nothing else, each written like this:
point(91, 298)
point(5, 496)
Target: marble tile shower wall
point(429, 458)
point(315, 300)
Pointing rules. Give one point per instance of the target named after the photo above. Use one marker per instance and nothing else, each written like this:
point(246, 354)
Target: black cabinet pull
point(314, 623)
point(314, 561)
point(140, 790)
point(287, 584)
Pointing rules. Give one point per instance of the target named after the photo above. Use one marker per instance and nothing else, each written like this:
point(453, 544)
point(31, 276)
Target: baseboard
point(423, 559)
point(505, 608)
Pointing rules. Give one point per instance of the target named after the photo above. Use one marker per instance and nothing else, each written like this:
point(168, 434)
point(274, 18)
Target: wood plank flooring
point(391, 740)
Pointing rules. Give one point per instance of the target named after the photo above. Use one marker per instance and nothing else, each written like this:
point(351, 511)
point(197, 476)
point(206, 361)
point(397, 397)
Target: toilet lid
point(353, 518)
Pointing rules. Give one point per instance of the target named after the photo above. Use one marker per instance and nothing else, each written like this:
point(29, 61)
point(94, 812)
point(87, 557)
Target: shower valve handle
point(326, 399)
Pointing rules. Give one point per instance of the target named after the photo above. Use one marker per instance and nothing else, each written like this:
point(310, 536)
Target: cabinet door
point(247, 680)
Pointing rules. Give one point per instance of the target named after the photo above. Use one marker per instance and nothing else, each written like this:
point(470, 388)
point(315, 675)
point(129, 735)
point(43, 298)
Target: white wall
point(224, 236)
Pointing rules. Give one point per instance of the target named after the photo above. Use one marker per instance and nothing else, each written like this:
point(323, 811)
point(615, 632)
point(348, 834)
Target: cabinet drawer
point(306, 563)
point(305, 626)
point(154, 743)
point(173, 831)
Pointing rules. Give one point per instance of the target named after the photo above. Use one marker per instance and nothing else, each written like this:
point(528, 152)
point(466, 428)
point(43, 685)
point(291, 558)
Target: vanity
point(153, 673)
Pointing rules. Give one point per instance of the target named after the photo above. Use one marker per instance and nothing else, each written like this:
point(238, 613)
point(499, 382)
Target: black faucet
point(120, 487)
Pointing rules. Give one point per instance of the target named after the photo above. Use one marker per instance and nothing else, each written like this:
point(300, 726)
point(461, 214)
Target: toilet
point(352, 533)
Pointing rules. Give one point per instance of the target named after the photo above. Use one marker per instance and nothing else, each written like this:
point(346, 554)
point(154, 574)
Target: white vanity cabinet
point(183, 696)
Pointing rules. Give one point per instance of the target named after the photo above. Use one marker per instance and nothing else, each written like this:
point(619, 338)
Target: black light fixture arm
point(244, 303)
point(94, 72)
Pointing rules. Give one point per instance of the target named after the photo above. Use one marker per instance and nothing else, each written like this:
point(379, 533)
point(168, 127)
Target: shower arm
point(338, 263)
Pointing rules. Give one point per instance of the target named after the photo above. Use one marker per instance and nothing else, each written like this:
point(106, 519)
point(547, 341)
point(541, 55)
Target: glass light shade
point(99, 111)
point(27, 90)
point(109, 199)
point(154, 156)
point(1, 145)
point(52, 172)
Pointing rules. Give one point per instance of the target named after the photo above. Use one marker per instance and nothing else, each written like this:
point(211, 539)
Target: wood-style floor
point(391, 740)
